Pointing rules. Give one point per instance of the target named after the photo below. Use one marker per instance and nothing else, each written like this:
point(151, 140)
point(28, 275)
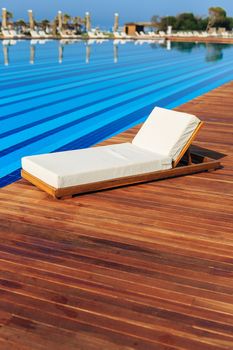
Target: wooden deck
point(141, 267)
point(207, 40)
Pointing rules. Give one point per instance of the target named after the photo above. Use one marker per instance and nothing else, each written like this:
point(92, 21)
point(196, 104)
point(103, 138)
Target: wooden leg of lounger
point(198, 158)
point(189, 157)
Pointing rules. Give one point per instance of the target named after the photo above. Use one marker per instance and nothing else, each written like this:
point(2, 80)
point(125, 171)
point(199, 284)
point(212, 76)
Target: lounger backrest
point(166, 132)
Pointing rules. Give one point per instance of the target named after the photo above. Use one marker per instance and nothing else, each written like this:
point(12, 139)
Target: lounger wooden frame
point(186, 163)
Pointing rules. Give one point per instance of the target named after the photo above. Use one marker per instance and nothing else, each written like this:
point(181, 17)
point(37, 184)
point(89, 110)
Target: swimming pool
point(67, 95)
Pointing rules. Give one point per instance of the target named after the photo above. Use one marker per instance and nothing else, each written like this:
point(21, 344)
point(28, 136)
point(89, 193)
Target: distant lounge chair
point(125, 36)
point(162, 33)
point(34, 34)
point(43, 34)
point(92, 35)
point(6, 33)
point(101, 35)
point(64, 35)
point(15, 34)
point(68, 35)
point(153, 34)
point(121, 36)
point(159, 147)
point(142, 34)
point(117, 35)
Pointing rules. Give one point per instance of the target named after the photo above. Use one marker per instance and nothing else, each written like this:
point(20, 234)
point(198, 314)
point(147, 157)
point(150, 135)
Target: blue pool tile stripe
point(151, 89)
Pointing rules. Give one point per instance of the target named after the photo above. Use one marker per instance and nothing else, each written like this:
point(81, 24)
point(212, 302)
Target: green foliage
point(213, 52)
point(202, 23)
point(167, 21)
point(217, 17)
point(66, 19)
point(226, 22)
point(155, 19)
point(45, 23)
point(9, 15)
point(217, 12)
point(188, 21)
point(20, 23)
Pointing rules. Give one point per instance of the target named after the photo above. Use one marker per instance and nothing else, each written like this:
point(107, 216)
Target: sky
point(102, 11)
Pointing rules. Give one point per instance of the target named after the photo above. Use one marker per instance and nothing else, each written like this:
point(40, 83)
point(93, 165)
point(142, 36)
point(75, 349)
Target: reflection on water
point(32, 54)
point(6, 55)
point(213, 52)
point(88, 53)
point(60, 53)
point(169, 45)
point(115, 52)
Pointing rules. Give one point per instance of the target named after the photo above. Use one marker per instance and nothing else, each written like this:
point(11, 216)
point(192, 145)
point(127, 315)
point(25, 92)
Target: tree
point(78, 22)
point(167, 21)
point(217, 12)
point(224, 23)
point(155, 19)
point(9, 15)
point(20, 23)
point(230, 22)
point(66, 18)
point(45, 23)
point(216, 15)
point(55, 25)
point(202, 23)
point(186, 21)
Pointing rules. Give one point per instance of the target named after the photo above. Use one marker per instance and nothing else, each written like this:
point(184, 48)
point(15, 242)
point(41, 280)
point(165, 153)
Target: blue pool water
point(61, 96)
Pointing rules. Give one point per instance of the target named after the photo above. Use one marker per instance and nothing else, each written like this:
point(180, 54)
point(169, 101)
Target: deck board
point(141, 267)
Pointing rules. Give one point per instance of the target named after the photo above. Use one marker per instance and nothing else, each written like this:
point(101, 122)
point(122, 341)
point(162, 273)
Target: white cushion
point(166, 132)
point(72, 168)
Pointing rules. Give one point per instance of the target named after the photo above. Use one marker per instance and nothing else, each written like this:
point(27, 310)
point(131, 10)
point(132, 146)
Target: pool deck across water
point(142, 267)
point(209, 39)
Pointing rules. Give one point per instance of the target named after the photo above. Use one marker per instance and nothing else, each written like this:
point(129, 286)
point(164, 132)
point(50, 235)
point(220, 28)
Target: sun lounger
point(162, 33)
point(92, 35)
point(154, 153)
point(15, 34)
point(117, 35)
point(34, 34)
point(64, 35)
point(101, 35)
point(7, 34)
point(43, 34)
point(125, 36)
point(68, 35)
point(153, 34)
